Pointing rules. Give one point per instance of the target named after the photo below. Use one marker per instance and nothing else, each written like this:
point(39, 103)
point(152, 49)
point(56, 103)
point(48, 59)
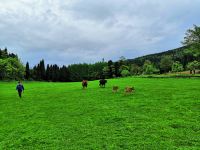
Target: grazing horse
point(84, 84)
point(129, 90)
point(102, 82)
point(115, 89)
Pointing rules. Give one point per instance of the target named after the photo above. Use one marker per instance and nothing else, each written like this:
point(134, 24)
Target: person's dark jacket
point(20, 88)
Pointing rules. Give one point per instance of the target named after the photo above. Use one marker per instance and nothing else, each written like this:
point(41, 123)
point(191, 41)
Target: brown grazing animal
point(84, 84)
point(129, 90)
point(102, 83)
point(115, 88)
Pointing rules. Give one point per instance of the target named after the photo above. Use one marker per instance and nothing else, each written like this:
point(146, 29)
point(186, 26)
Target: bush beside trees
point(166, 64)
point(135, 69)
point(177, 67)
point(193, 66)
point(149, 68)
point(11, 68)
point(125, 73)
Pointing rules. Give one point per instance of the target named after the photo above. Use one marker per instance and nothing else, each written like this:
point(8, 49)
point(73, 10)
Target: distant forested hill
point(176, 60)
point(178, 54)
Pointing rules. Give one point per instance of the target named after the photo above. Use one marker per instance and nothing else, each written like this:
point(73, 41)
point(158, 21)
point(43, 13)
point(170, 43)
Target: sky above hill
point(76, 31)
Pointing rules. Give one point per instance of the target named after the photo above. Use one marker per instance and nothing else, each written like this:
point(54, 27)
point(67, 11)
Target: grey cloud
point(73, 31)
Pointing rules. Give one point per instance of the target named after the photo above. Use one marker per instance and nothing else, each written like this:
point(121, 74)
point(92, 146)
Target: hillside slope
point(177, 55)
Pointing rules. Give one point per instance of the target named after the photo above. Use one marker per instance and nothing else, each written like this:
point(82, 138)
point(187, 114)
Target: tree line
point(74, 72)
point(177, 60)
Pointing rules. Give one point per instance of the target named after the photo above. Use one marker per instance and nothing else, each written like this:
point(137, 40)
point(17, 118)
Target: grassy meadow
point(161, 114)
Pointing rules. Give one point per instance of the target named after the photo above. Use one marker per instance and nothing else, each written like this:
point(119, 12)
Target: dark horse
point(102, 82)
point(84, 84)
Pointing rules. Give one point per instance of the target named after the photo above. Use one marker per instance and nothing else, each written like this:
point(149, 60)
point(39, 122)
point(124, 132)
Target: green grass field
point(161, 114)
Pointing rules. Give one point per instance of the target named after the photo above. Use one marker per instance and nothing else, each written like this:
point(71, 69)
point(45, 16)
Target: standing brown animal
point(129, 90)
point(115, 88)
point(84, 84)
point(102, 83)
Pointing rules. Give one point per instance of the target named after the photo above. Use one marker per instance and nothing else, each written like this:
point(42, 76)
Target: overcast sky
point(77, 31)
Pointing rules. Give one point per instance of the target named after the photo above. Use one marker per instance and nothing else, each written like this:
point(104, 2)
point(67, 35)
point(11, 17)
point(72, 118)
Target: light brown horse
point(129, 90)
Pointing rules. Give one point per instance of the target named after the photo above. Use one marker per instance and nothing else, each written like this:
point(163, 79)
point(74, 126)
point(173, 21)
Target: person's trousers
point(20, 93)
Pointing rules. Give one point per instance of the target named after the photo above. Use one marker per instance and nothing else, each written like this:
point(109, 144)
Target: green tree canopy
point(27, 71)
point(149, 68)
point(135, 69)
point(166, 63)
point(192, 66)
point(11, 68)
point(177, 67)
point(192, 39)
point(125, 73)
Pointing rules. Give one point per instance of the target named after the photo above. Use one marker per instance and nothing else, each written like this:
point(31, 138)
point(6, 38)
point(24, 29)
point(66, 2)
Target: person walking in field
point(20, 89)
